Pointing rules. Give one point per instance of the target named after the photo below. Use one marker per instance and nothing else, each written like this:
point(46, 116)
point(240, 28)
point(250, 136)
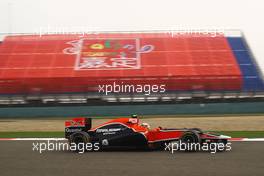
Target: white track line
point(63, 139)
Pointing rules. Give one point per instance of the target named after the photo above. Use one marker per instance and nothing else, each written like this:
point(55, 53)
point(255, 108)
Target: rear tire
point(78, 138)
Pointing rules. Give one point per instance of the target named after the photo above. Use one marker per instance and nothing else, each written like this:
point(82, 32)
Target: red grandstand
point(77, 63)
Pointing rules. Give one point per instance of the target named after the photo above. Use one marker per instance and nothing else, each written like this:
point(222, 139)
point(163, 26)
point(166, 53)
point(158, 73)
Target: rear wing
point(76, 125)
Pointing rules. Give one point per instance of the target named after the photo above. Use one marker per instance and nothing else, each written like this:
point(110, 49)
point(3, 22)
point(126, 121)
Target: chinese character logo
point(107, 54)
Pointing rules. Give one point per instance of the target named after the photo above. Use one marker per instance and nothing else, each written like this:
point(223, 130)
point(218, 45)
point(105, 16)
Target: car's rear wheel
point(79, 138)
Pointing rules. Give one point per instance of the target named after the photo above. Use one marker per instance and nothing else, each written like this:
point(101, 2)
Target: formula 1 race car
point(128, 133)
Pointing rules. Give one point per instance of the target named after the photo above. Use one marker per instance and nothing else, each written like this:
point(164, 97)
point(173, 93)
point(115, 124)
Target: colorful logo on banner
point(107, 54)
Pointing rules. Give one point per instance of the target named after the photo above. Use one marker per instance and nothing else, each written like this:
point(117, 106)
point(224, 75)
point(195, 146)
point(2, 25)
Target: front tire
point(222, 142)
point(189, 140)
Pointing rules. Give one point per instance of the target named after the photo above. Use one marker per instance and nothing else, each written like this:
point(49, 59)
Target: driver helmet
point(134, 116)
point(146, 125)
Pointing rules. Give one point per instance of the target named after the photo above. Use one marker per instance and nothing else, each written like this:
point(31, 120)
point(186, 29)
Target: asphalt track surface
point(17, 158)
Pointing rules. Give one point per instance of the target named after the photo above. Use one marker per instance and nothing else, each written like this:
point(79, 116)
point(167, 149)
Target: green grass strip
point(32, 134)
point(243, 134)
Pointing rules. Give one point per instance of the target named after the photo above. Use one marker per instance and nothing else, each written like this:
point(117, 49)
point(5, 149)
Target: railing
point(97, 99)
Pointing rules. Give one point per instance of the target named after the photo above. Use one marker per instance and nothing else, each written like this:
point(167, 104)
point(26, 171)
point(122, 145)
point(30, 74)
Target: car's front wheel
point(190, 141)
